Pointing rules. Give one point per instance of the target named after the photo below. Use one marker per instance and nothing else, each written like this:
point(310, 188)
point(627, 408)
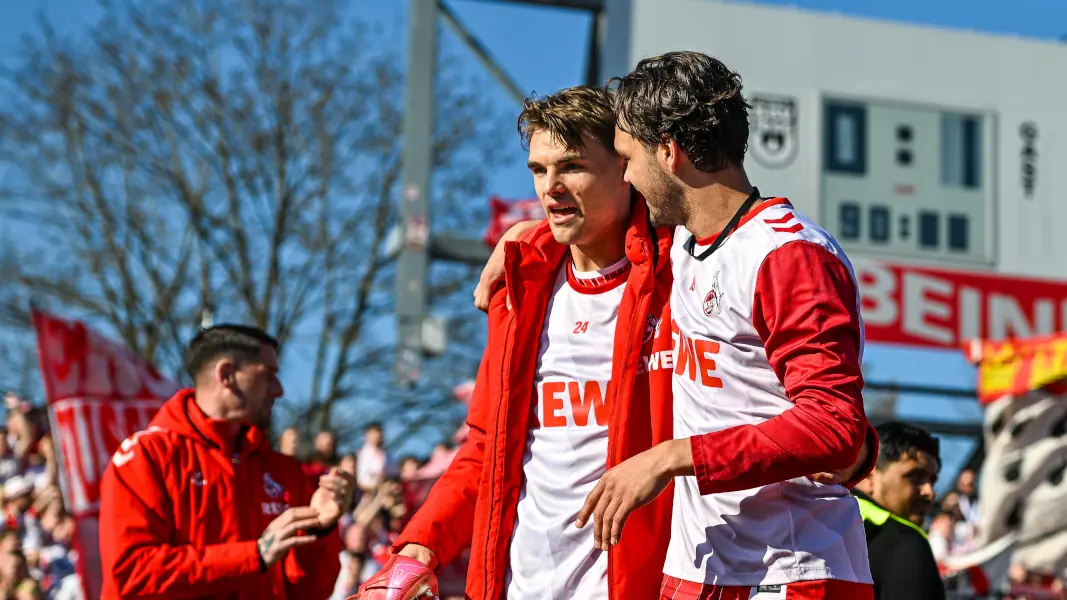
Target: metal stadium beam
point(413, 264)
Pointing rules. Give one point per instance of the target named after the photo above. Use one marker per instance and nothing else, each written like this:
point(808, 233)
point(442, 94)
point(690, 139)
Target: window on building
point(879, 216)
point(904, 133)
point(961, 151)
point(845, 138)
point(957, 232)
point(904, 158)
point(929, 224)
point(849, 217)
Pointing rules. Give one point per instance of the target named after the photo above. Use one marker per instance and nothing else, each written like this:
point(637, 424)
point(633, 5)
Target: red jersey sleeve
point(806, 312)
point(137, 557)
point(445, 523)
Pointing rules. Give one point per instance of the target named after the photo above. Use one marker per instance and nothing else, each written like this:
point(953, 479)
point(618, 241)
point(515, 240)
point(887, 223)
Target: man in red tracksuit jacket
point(200, 506)
point(586, 292)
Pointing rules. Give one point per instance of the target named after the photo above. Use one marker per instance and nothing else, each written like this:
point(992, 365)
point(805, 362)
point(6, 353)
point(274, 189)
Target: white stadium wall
point(922, 150)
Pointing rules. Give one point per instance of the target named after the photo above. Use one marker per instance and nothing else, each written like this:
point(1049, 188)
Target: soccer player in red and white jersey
point(765, 316)
point(575, 378)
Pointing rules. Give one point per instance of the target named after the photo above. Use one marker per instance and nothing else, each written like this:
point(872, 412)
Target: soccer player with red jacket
point(575, 378)
point(200, 506)
point(768, 345)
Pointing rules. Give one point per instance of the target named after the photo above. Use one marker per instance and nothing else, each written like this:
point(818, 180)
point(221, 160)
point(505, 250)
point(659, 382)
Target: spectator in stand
point(440, 459)
point(347, 463)
point(9, 465)
point(894, 501)
point(28, 589)
point(968, 496)
point(409, 468)
point(289, 442)
point(13, 572)
point(373, 459)
point(324, 454)
point(35, 553)
point(940, 537)
point(18, 499)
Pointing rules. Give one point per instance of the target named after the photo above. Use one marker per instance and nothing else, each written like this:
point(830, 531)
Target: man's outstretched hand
point(630, 485)
point(402, 578)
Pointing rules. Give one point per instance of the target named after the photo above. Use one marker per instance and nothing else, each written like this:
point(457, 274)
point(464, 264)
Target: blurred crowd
point(36, 558)
point(37, 561)
point(390, 490)
point(953, 531)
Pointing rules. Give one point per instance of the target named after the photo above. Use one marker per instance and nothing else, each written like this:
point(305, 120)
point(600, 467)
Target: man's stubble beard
point(672, 210)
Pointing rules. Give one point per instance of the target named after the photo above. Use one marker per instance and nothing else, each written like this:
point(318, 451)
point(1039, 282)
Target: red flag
point(504, 214)
point(99, 393)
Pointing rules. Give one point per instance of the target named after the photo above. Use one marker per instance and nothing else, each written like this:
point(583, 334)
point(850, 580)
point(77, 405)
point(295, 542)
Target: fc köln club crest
point(713, 301)
point(773, 134)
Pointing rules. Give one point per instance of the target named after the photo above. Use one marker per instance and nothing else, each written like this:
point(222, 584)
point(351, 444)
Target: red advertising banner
point(933, 308)
point(99, 394)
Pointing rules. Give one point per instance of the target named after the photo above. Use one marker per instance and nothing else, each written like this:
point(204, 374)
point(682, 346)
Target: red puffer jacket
point(475, 502)
point(181, 510)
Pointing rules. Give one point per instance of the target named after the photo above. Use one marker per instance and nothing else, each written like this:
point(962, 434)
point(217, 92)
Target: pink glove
point(401, 578)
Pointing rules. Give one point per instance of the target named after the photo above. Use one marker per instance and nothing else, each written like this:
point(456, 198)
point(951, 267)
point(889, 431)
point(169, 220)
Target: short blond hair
point(569, 113)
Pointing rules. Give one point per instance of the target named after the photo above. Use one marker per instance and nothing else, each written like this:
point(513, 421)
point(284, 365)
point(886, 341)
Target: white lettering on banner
point(970, 313)
point(927, 307)
point(100, 368)
point(86, 430)
point(921, 301)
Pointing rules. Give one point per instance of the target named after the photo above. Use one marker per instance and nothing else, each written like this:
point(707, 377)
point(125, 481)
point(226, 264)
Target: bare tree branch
point(241, 158)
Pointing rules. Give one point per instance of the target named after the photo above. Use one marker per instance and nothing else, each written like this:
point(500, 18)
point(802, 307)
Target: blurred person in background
point(323, 454)
point(13, 571)
point(28, 589)
point(440, 458)
point(409, 468)
point(349, 464)
point(894, 501)
point(289, 442)
point(9, 465)
point(372, 459)
point(968, 496)
point(190, 529)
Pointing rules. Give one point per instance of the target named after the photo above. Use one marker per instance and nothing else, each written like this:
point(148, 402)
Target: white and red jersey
point(567, 446)
point(767, 386)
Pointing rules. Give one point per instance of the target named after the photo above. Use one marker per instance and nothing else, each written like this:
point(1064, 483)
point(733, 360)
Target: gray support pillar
point(413, 264)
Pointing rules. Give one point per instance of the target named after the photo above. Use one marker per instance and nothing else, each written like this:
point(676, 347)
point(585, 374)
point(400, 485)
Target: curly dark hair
point(568, 113)
point(691, 98)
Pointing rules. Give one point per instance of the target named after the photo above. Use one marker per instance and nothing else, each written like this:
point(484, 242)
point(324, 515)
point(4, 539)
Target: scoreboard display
point(907, 180)
point(910, 144)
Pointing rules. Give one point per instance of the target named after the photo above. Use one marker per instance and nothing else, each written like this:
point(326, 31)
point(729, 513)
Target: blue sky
point(544, 49)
